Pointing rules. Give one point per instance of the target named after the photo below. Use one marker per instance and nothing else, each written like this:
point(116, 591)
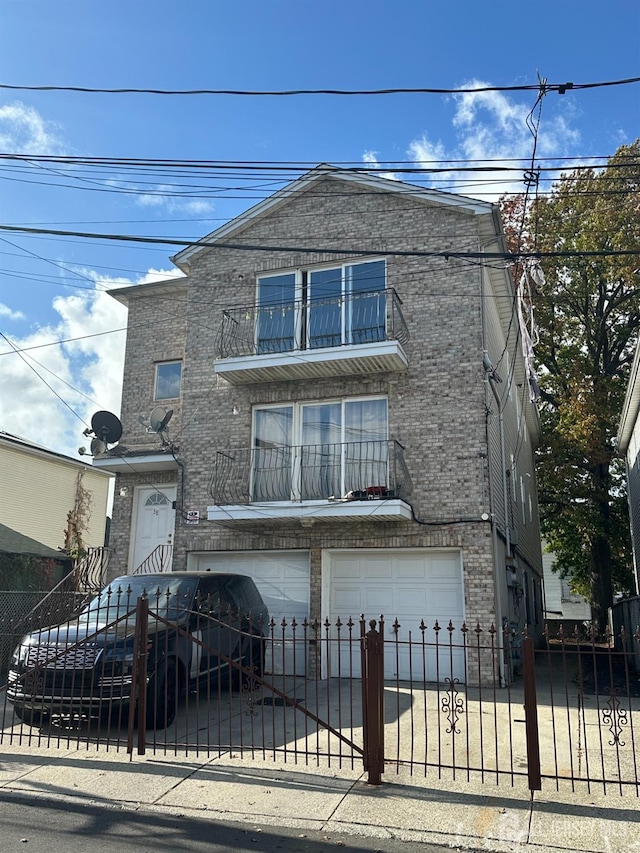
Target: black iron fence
point(356, 470)
point(438, 700)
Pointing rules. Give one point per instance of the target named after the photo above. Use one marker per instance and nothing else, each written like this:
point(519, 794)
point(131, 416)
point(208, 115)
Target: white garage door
point(282, 577)
point(408, 586)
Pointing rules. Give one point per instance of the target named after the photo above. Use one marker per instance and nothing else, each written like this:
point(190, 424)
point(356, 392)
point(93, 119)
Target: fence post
point(531, 714)
point(373, 702)
point(138, 695)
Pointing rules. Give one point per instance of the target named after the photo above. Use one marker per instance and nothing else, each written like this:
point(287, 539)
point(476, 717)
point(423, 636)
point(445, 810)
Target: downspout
point(494, 526)
point(503, 464)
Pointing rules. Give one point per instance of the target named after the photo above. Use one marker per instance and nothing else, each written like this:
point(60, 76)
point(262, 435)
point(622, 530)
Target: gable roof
point(324, 170)
point(12, 542)
point(18, 443)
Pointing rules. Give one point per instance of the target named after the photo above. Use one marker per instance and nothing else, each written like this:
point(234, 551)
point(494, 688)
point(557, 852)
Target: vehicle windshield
point(169, 597)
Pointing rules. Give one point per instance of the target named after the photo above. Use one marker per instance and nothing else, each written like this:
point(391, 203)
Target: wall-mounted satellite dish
point(98, 446)
point(158, 420)
point(107, 427)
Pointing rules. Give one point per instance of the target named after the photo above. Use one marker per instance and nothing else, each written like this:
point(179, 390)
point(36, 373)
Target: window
point(310, 309)
point(313, 451)
point(168, 377)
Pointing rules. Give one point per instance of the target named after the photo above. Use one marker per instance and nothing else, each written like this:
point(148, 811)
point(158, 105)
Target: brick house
point(351, 419)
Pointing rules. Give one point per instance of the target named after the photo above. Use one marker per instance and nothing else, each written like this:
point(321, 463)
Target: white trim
point(326, 355)
point(391, 509)
point(135, 464)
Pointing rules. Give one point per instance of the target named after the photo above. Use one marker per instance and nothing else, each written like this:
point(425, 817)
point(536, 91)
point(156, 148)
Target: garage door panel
point(377, 570)
point(411, 601)
point(351, 600)
point(347, 570)
point(377, 600)
point(282, 579)
point(408, 587)
point(415, 569)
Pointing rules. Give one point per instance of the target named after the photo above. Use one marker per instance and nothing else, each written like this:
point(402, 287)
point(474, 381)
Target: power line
point(560, 88)
point(252, 247)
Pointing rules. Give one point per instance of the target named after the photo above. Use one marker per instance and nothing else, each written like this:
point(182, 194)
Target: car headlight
point(118, 660)
point(20, 653)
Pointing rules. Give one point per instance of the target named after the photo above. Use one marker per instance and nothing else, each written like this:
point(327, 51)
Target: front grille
point(63, 657)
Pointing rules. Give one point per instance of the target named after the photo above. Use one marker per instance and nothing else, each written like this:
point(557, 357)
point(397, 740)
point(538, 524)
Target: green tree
point(588, 318)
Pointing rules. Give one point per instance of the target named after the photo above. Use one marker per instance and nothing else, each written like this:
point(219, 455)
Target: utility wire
point(252, 247)
point(560, 88)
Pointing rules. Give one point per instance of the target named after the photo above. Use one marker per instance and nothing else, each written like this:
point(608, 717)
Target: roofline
point(182, 258)
point(631, 406)
point(149, 288)
point(37, 450)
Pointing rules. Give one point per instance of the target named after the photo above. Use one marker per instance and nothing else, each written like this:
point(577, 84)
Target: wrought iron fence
point(159, 560)
point(356, 318)
point(436, 700)
point(360, 470)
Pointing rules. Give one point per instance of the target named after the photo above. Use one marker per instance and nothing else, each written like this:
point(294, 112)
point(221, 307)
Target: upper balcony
point(355, 333)
point(313, 482)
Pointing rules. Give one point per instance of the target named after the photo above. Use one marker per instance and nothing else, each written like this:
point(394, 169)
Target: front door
point(154, 522)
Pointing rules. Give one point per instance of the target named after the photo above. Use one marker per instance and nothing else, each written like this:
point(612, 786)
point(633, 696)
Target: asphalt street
point(30, 825)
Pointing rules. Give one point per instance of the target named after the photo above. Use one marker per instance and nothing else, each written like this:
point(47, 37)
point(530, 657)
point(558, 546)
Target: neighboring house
point(561, 605)
point(351, 416)
point(41, 488)
point(28, 565)
point(629, 447)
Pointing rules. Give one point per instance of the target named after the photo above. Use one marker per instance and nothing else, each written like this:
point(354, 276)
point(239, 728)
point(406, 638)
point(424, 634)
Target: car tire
point(162, 696)
point(30, 716)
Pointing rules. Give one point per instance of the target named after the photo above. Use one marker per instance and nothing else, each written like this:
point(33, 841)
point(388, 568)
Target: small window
point(168, 377)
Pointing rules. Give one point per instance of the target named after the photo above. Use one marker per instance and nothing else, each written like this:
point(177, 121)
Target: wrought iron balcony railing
point(308, 324)
point(366, 470)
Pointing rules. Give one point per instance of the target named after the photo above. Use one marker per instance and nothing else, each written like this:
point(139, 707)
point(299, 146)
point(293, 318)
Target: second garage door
point(407, 585)
point(282, 577)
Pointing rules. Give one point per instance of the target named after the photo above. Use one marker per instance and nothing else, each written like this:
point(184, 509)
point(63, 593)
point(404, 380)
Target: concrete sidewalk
point(460, 814)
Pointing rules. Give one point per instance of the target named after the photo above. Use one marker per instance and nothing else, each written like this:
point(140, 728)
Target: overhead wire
point(560, 88)
point(327, 250)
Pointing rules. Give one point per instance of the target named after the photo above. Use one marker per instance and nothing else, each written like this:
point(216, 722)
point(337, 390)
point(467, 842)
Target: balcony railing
point(310, 324)
point(366, 470)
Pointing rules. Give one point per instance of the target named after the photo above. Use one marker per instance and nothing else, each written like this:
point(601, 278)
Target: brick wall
point(436, 407)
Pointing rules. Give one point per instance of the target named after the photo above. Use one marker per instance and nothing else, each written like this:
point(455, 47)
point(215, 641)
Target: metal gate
point(466, 703)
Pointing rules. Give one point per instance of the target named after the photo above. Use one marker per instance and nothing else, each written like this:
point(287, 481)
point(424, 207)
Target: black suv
point(201, 628)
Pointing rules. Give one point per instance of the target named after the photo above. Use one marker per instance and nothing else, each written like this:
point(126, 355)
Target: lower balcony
point(349, 481)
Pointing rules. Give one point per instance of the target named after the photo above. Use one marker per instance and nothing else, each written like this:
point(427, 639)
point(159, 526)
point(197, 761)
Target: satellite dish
point(159, 419)
point(98, 446)
point(107, 427)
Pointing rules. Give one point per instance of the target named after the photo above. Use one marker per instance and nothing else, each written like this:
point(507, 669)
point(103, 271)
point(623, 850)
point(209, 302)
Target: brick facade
point(439, 408)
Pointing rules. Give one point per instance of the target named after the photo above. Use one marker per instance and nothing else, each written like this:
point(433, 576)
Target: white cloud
point(371, 158)
point(86, 373)
point(163, 196)
point(23, 129)
point(493, 126)
point(7, 312)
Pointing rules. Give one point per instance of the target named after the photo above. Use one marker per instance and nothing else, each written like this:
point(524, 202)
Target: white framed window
point(318, 450)
point(168, 380)
point(324, 307)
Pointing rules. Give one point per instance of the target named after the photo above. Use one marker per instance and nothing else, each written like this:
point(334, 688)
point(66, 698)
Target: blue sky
point(52, 288)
